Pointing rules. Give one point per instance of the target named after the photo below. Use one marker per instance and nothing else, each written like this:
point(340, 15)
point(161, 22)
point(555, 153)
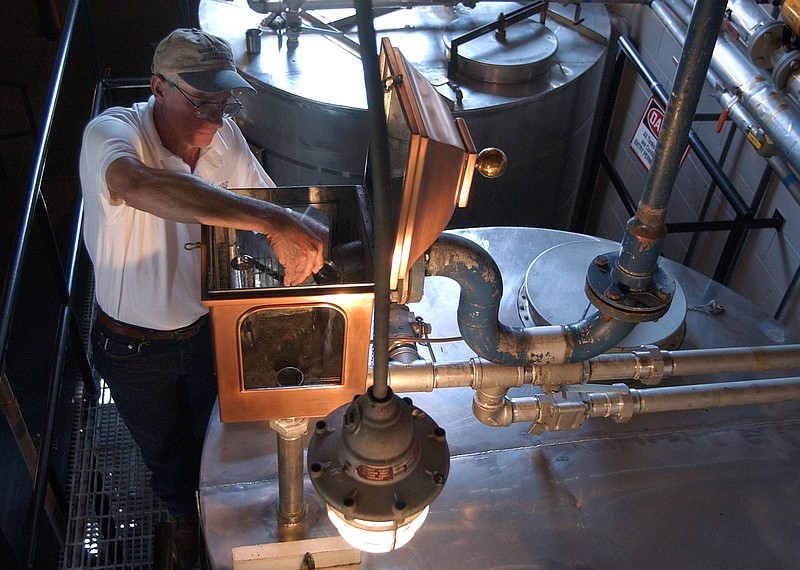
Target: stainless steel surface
point(712, 488)
point(309, 113)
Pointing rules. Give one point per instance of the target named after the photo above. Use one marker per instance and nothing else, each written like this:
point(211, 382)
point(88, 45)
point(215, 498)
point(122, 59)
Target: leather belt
point(141, 333)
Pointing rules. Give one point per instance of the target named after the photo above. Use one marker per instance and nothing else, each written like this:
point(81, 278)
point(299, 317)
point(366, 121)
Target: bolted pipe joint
point(620, 295)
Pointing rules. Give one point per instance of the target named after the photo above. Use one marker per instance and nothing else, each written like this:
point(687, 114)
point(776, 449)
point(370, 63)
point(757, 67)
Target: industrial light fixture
point(378, 464)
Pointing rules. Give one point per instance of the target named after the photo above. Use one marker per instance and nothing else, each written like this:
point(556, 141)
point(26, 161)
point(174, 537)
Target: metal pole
point(29, 209)
point(381, 184)
point(13, 279)
point(643, 239)
point(291, 504)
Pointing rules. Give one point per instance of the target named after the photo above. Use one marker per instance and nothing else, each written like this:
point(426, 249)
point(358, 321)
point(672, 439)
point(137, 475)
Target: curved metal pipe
point(481, 284)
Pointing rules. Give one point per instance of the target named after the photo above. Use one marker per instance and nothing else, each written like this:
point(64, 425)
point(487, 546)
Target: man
point(150, 175)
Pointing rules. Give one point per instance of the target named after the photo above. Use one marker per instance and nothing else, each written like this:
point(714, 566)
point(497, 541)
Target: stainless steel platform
point(716, 488)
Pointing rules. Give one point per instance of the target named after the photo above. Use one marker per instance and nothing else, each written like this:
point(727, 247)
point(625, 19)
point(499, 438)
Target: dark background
point(110, 39)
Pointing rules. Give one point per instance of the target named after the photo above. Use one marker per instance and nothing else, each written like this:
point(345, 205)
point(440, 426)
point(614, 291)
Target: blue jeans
point(164, 391)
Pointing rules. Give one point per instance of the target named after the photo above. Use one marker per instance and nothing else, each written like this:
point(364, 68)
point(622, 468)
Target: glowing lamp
point(378, 464)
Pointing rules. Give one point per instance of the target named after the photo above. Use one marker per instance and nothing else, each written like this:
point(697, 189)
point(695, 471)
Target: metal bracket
point(391, 81)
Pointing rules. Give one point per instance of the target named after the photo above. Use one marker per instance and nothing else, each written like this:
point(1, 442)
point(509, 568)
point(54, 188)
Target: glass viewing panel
point(291, 347)
point(399, 135)
point(248, 257)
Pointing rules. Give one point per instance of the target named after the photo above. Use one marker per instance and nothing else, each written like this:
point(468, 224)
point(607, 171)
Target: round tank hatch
point(553, 294)
point(525, 52)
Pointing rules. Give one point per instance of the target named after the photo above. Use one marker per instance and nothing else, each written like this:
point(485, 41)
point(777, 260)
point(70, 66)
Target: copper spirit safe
point(303, 351)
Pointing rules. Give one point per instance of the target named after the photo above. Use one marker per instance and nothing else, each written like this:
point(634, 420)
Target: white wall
point(770, 257)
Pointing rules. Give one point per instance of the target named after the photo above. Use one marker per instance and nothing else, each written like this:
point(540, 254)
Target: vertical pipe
point(641, 245)
point(291, 503)
point(290, 470)
point(380, 182)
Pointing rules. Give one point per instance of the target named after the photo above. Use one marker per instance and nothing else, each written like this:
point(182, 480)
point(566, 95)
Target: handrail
point(67, 338)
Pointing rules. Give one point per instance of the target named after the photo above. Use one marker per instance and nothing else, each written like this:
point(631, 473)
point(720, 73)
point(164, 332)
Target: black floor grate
point(112, 512)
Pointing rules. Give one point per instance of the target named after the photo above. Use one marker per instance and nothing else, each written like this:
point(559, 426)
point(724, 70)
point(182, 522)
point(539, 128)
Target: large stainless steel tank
point(713, 488)
point(309, 115)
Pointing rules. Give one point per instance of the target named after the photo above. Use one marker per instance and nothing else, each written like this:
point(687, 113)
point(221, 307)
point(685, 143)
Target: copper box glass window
point(311, 342)
point(290, 351)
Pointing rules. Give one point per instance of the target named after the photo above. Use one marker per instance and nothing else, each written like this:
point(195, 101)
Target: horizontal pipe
point(648, 365)
point(567, 410)
point(719, 395)
point(738, 359)
point(267, 6)
point(425, 376)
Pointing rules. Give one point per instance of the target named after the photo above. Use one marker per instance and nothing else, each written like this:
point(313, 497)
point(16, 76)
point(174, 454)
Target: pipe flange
point(764, 42)
point(625, 304)
point(786, 66)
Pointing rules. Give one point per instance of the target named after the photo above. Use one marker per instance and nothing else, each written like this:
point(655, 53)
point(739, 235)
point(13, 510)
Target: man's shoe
point(186, 539)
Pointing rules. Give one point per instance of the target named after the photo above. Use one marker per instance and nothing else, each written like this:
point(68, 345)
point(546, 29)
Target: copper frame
point(438, 167)
point(238, 404)
point(229, 307)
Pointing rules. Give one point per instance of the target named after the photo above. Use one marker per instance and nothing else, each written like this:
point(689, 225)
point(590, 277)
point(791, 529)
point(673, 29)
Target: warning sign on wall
point(643, 143)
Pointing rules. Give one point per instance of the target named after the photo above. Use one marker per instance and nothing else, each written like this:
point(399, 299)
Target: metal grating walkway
point(112, 511)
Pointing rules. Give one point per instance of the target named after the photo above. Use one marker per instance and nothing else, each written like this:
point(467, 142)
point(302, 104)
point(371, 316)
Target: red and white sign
point(643, 143)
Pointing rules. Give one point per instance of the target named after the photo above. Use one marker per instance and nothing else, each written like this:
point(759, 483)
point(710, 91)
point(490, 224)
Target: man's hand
point(298, 242)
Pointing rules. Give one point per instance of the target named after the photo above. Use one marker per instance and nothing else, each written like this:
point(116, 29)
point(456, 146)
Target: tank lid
point(519, 55)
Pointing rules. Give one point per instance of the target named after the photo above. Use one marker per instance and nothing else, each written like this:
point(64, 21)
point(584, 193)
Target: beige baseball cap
point(203, 61)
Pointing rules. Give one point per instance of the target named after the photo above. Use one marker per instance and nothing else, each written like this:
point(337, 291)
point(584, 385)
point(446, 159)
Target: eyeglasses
point(204, 110)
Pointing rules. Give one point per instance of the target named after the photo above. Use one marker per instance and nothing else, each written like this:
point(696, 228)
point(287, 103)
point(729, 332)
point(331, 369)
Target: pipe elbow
point(478, 313)
point(491, 407)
